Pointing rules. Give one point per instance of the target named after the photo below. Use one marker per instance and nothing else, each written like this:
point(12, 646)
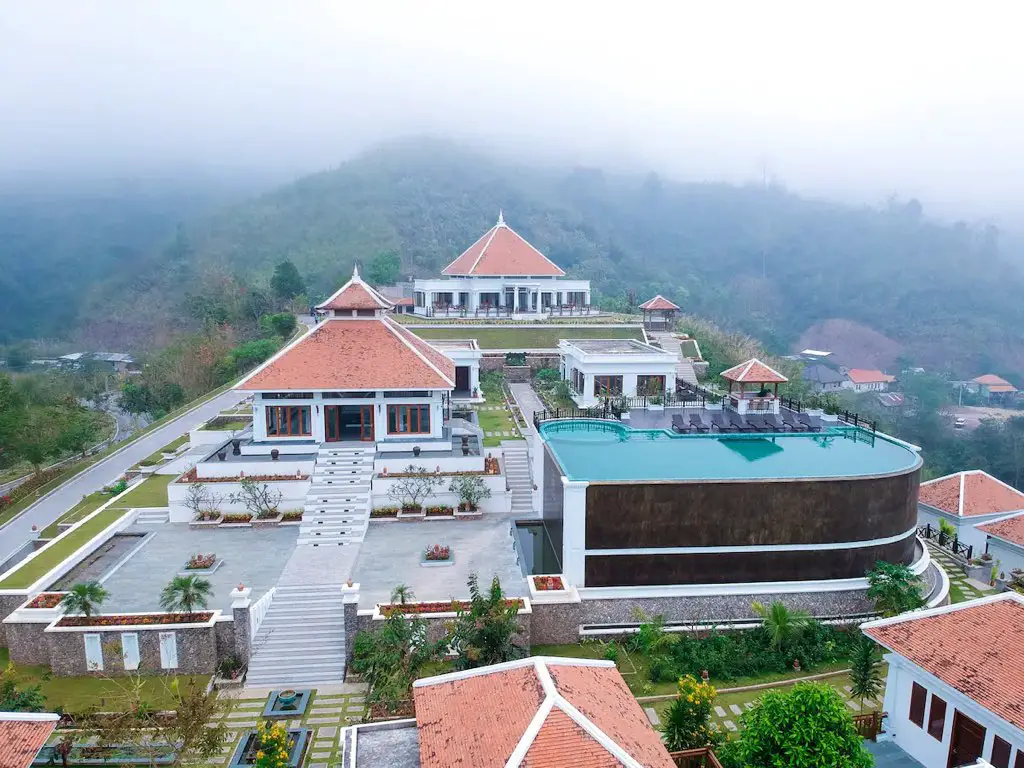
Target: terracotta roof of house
point(502, 251)
point(539, 712)
point(22, 735)
point(994, 383)
point(356, 294)
point(970, 493)
point(351, 354)
point(976, 647)
point(658, 302)
point(1010, 529)
point(753, 372)
point(868, 376)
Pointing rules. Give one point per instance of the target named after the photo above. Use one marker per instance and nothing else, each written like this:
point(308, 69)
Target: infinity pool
point(595, 450)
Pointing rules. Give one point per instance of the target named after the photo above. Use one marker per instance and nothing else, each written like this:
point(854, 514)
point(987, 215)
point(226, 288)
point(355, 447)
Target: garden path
point(960, 587)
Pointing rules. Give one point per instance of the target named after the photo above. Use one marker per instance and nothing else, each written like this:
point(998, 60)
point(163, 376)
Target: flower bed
point(192, 477)
point(46, 600)
point(384, 512)
point(490, 468)
point(200, 562)
point(440, 511)
point(29, 486)
point(548, 583)
point(291, 517)
point(438, 552)
point(452, 606)
point(135, 619)
point(236, 517)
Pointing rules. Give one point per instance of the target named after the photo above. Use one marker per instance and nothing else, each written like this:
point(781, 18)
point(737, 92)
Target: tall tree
point(286, 282)
point(894, 588)
point(384, 268)
point(80, 433)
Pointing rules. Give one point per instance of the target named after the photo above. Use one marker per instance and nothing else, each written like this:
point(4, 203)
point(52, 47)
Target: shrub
point(199, 561)
point(611, 652)
point(259, 499)
point(470, 489)
point(688, 718)
point(413, 487)
point(272, 745)
point(484, 633)
point(894, 588)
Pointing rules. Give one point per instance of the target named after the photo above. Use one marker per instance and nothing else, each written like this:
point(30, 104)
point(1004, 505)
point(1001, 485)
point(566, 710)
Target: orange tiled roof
point(350, 354)
point(970, 493)
point(355, 294)
point(585, 716)
point(978, 649)
point(994, 383)
point(21, 738)
point(658, 302)
point(753, 372)
point(502, 251)
point(868, 376)
point(1010, 529)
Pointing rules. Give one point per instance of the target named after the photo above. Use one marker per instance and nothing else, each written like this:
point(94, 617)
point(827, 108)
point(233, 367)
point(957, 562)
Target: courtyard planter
point(268, 522)
point(978, 571)
point(245, 754)
point(440, 510)
point(292, 518)
point(437, 556)
point(550, 588)
point(201, 565)
point(466, 511)
point(411, 513)
point(384, 513)
point(207, 522)
point(237, 520)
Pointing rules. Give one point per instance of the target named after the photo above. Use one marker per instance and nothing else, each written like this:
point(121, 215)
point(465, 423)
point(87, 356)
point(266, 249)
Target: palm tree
point(84, 598)
point(402, 593)
point(865, 670)
point(780, 622)
point(185, 593)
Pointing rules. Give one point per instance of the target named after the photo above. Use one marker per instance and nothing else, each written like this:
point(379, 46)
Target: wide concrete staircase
point(152, 517)
point(301, 641)
point(337, 508)
point(517, 473)
point(684, 368)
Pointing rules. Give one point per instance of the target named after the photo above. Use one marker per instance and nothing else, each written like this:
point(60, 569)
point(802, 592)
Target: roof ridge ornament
point(355, 272)
point(501, 218)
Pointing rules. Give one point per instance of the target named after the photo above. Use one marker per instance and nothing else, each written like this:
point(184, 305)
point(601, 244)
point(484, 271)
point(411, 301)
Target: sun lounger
point(698, 424)
point(758, 423)
point(740, 423)
point(721, 423)
point(813, 423)
point(679, 424)
point(776, 423)
point(790, 419)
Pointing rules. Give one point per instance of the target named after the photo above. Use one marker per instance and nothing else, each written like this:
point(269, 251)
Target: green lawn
point(51, 555)
point(496, 421)
point(78, 694)
point(156, 458)
point(151, 492)
point(86, 506)
point(527, 337)
point(226, 423)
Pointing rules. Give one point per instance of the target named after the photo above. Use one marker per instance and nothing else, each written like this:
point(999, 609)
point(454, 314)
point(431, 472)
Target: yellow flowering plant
point(272, 745)
point(688, 718)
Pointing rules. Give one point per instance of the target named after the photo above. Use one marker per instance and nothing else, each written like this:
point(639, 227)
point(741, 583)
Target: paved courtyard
point(251, 557)
point(390, 555)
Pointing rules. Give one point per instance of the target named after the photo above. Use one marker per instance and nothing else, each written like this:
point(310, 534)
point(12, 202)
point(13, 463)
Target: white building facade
point(501, 275)
point(597, 369)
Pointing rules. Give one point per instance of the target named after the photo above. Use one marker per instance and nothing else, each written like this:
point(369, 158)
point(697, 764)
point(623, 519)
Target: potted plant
point(471, 490)
point(413, 488)
point(1001, 581)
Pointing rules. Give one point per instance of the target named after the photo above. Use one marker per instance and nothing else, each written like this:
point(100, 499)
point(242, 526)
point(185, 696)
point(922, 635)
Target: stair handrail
point(258, 611)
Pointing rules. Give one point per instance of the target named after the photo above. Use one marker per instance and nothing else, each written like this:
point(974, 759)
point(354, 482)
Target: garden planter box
point(424, 563)
point(228, 683)
point(980, 573)
point(202, 571)
point(470, 514)
point(421, 515)
point(245, 754)
point(267, 522)
point(200, 524)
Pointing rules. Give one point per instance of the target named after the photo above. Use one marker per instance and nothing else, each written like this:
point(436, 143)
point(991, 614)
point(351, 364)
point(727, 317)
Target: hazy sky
point(921, 99)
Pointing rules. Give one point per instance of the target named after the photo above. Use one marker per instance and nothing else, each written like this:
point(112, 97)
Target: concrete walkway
point(14, 534)
point(528, 403)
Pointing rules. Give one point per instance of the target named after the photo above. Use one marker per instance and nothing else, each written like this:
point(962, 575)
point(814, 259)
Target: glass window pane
point(305, 422)
point(936, 717)
point(917, 699)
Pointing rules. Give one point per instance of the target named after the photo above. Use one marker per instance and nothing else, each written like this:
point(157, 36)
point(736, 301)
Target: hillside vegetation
point(758, 259)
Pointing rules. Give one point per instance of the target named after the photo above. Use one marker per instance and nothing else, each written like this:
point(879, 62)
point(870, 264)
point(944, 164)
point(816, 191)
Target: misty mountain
point(756, 258)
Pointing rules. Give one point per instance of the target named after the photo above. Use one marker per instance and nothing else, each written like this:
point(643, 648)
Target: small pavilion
point(749, 384)
point(659, 314)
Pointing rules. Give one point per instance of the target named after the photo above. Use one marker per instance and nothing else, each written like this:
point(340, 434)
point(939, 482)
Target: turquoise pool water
point(589, 449)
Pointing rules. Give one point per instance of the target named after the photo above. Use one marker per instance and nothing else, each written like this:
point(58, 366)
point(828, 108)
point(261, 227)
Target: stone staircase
point(684, 368)
point(301, 641)
point(153, 517)
point(337, 509)
point(517, 473)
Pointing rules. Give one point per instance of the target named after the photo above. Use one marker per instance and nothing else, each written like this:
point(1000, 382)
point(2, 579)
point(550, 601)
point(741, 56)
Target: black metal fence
point(857, 420)
point(603, 411)
point(945, 541)
point(709, 397)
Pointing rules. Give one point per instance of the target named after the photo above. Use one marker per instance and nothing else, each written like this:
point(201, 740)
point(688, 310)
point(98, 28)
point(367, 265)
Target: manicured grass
point(226, 423)
point(50, 556)
point(79, 694)
point(156, 458)
point(151, 492)
point(66, 474)
point(527, 337)
point(496, 421)
point(85, 507)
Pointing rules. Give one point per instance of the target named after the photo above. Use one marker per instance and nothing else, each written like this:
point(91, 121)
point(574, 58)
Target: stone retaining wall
point(8, 604)
point(197, 649)
point(27, 643)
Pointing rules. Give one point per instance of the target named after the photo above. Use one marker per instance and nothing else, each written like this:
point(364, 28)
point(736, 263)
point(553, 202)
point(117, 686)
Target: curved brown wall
point(751, 513)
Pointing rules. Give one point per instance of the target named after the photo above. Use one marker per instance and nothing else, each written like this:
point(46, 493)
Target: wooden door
point(366, 423)
point(967, 742)
point(332, 423)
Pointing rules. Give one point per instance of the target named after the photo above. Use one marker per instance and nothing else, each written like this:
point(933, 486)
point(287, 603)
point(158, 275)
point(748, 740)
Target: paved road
point(45, 511)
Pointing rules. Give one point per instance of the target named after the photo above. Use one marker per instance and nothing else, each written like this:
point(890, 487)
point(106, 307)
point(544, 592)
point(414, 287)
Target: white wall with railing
point(258, 611)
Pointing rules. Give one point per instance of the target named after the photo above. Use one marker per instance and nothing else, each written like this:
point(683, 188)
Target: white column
point(536, 453)
point(380, 417)
point(515, 299)
point(587, 395)
point(316, 415)
point(474, 376)
point(574, 530)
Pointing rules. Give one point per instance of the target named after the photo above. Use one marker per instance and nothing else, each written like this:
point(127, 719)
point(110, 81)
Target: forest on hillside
point(756, 258)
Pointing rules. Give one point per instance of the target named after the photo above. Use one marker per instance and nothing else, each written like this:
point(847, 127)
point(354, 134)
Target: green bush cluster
point(750, 653)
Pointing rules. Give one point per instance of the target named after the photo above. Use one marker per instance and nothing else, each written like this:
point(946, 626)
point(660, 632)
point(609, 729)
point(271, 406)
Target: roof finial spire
point(355, 271)
point(501, 218)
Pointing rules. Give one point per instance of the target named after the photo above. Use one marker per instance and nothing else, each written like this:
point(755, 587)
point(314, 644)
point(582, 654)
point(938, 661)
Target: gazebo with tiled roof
point(753, 373)
point(659, 313)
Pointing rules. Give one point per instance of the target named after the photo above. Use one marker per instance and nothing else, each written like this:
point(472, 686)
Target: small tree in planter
point(260, 500)
point(471, 490)
point(184, 594)
point(202, 502)
point(415, 487)
point(84, 598)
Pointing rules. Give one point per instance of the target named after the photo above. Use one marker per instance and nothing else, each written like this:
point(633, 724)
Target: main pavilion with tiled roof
point(501, 274)
point(358, 375)
point(955, 688)
point(753, 387)
point(967, 500)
